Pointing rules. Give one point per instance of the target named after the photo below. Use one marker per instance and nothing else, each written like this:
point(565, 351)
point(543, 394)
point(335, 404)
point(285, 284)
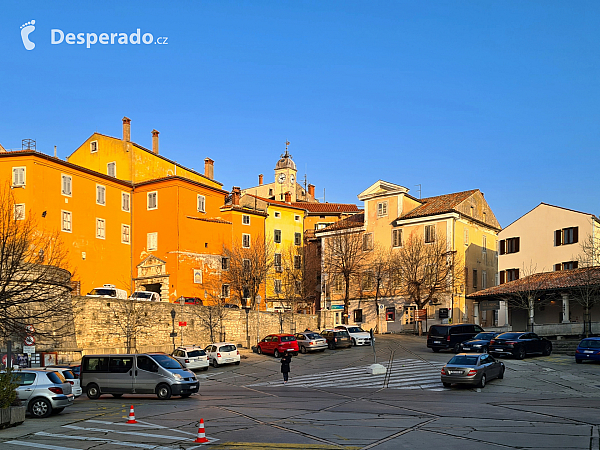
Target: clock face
point(281, 178)
point(291, 178)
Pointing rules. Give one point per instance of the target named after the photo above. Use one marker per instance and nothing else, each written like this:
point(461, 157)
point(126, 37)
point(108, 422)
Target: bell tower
point(285, 176)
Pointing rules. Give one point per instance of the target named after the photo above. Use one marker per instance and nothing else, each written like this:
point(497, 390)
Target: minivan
point(148, 373)
point(450, 336)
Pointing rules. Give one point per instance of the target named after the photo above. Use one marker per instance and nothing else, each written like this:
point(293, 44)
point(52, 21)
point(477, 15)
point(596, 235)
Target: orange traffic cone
point(201, 439)
point(131, 416)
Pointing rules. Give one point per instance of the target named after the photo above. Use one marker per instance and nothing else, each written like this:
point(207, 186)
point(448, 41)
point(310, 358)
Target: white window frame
point(100, 188)
point(225, 291)
point(431, 227)
point(148, 196)
point(64, 177)
point(100, 228)
point(124, 227)
point(382, 209)
point(201, 203)
point(19, 180)
point(114, 164)
point(19, 211)
point(94, 147)
point(275, 236)
point(244, 237)
point(64, 214)
point(125, 195)
point(397, 233)
point(150, 237)
point(484, 280)
point(244, 218)
point(484, 244)
point(197, 276)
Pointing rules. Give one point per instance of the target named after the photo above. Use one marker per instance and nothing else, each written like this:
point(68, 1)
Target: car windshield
point(509, 336)
point(228, 348)
point(485, 336)
point(313, 336)
point(438, 331)
point(143, 295)
point(167, 362)
point(342, 333)
point(589, 343)
point(464, 360)
point(288, 338)
point(56, 377)
point(195, 353)
point(68, 375)
point(108, 292)
point(356, 330)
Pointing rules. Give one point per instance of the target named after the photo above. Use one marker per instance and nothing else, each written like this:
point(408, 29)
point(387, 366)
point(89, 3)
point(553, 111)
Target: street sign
point(30, 329)
point(489, 305)
point(443, 312)
point(29, 340)
point(421, 314)
point(29, 349)
point(183, 324)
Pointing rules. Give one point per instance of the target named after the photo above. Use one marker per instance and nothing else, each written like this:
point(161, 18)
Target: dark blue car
point(479, 343)
point(588, 350)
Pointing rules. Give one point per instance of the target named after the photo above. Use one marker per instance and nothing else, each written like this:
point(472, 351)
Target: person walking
point(285, 366)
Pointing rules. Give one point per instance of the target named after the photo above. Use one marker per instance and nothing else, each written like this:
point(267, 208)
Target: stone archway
point(152, 275)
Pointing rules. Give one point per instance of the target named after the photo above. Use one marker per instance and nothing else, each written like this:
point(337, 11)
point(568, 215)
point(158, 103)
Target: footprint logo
point(26, 30)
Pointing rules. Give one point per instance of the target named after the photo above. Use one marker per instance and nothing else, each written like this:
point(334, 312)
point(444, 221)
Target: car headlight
point(477, 346)
point(177, 376)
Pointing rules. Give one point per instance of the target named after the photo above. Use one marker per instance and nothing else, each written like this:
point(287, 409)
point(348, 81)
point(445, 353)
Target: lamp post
point(258, 299)
point(247, 309)
point(173, 334)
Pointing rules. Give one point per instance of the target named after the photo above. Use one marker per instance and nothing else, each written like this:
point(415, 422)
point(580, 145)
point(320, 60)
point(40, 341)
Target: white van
point(147, 296)
point(108, 290)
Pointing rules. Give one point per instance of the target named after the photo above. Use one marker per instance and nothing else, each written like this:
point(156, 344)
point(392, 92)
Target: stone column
point(565, 308)
point(476, 313)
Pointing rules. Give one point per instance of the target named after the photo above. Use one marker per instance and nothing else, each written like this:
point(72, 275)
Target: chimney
point(288, 197)
point(155, 142)
point(209, 168)
point(260, 179)
point(311, 190)
point(126, 129)
point(235, 196)
point(3, 150)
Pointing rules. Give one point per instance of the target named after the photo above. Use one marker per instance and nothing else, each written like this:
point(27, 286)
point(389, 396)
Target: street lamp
point(173, 334)
point(258, 299)
point(247, 309)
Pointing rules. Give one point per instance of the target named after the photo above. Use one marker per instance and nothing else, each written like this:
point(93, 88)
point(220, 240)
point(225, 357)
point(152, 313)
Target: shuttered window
point(566, 236)
point(66, 185)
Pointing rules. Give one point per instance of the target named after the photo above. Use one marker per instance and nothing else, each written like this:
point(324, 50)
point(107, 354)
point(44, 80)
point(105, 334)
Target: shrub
point(8, 389)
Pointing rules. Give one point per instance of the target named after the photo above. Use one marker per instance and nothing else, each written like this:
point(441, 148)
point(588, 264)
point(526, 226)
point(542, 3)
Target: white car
point(108, 290)
point(145, 296)
point(70, 377)
point(357, 334)
point(191, 357)
point(223, 353)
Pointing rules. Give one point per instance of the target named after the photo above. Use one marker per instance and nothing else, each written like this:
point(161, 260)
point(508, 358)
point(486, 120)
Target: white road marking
point(131, 433)
point(139, 425)
point(110, 441)
point(38, 445)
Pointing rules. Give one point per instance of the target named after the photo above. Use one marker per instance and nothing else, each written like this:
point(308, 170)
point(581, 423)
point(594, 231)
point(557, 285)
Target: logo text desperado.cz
point(58, 37)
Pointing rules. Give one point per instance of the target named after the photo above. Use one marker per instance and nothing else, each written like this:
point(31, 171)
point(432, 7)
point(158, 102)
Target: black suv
point(337, 339)
point(450, 336)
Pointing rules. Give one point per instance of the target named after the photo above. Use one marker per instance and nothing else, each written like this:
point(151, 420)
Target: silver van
point(148, 373)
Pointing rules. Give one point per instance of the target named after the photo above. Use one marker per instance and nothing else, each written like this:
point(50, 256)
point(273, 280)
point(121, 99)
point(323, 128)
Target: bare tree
point(384, 277)
point(134, 319)
point(586, 288)
point(35, 284)
point(212, 316)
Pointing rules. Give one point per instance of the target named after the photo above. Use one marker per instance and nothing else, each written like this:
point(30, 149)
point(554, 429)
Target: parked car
point(276, 344)
point(451, 336)
point(108, 290)
point(190, 300)
point(70, 377)
point(480, 343)
point(191, 357)
point(75, 368)
point(231, 305)
point(357, 335)
point(309, 341)
point(471, 369)
point(520, 345)
point(337, 339)
point(222, 353)
point(43, 392)
point(145, 296)
point(147, 373)
point(588, 350)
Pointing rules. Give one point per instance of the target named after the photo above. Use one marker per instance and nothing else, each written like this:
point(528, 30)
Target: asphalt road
point(330, 402)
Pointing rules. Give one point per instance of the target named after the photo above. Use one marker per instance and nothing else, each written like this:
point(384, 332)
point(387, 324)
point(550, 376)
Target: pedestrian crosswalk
point(401, 374)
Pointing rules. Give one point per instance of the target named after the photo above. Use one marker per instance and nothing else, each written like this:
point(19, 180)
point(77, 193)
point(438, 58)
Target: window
point(382, 209)
point(466, 237)
point(111, 169)
point(367, 243)
point(152, 241)
point(19, 211)
point(125, 201)
point(483, 280)
point(245, 240)
point(367, 281)
point(224, 263)
point(277, 237)
point(338, 283)
point(510, 245)
point(277, 286)
point(509, 275)
point(100, 229)
point(358, 317)
point(125, 239)
point(298, 238)
point(197, 276)
point(297, 262)
point(93, 146)
point(201, 203)
point(152, 200)
point(566, 265)
point(245, 219)
point(277, 262)
point(474, 278)
point(66, 221)
point(390, 314)
point(320, 226)
point(270, 192)
point(396, 238)
point(298, 286)
point(297, 218)
point(18, 176)
point(66, 185)
point(100, 194)
point(484, 244)
point(277, 215)
point(566, 236)
point(429, 234)
point(247, 266)
point(225, 291)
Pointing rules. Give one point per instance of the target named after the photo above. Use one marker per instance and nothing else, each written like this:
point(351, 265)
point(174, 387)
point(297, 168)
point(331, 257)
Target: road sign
point(30, 329)
point(183, 324)
point(421, 313)
point(29, 349)
point(29, 340)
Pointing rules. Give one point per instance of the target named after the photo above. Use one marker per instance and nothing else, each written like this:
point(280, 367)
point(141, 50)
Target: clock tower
point(285, 176)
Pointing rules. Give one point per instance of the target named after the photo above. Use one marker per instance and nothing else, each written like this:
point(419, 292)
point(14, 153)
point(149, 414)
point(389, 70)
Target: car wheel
point(163, 391)
point(501, 374)
point(435, 350)
point(447, 385)
point(457, 348)
point(276, 353)
point(354, 342)
point(93, 391)
point(205, 368)
point(57, 410)
point(329, 346)
point(237, 363)
point(259, 350)
point(40, 408)
point(519, 353)
point(117, 395)
point(303, 349)
point(578, 361)
point(482, 382)
point(215, 363)
point(547, 350)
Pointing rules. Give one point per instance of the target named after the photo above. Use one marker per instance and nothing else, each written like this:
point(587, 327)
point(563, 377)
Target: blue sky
point(500, 96)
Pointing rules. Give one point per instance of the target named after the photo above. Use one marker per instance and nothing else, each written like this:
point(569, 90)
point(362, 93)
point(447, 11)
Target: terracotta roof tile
point(210, 220)
point(275, 202)
point(357, 220)
point(327, 207)
point(438, 205)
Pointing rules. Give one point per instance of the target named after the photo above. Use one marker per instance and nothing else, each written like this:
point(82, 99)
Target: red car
point(276, 344)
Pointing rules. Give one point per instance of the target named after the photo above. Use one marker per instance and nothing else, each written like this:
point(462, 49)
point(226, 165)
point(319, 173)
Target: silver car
point(472, 369)
point(43, 392)
point(70, 377)
point(309, 341)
